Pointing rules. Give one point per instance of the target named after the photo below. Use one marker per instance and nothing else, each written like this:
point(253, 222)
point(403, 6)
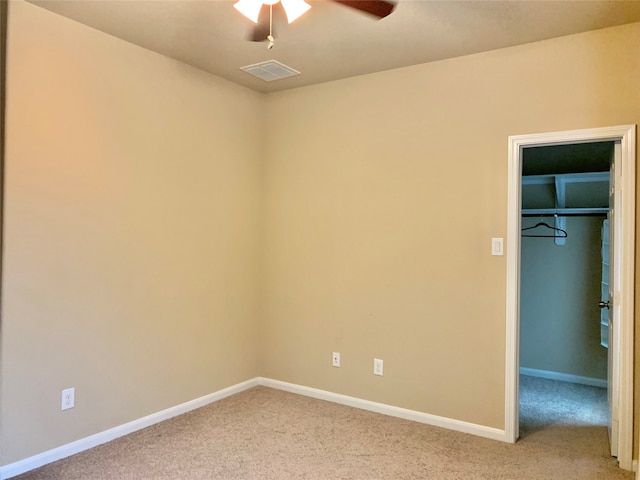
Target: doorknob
point(602, 304)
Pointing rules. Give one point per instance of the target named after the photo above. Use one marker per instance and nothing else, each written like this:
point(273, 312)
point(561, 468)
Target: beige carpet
point(268, 434)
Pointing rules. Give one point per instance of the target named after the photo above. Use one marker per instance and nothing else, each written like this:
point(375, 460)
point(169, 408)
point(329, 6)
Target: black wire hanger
point(557, 232)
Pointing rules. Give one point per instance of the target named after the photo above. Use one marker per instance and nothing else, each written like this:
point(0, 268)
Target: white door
point(608, 311)
point(606, 333)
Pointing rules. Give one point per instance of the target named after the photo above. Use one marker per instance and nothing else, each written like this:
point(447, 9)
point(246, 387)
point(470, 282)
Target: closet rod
point(577, 214)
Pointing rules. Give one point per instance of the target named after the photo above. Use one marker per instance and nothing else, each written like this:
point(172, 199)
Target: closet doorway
point(563, 343)
point(561, 181)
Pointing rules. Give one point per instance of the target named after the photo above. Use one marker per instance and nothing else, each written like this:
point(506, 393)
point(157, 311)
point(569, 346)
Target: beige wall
point(382, 195)
point(131, 232)
point(559, 293)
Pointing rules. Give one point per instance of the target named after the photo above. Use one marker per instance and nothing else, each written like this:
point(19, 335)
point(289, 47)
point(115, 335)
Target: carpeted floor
point(272, 435)
point(547, 404)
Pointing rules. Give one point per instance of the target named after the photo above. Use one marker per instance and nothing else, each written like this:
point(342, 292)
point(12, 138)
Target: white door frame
point(624, 295)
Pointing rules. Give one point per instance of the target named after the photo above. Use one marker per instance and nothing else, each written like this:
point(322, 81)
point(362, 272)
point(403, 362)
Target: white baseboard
point(448, 423)
point(22, 466)
point(564, 377)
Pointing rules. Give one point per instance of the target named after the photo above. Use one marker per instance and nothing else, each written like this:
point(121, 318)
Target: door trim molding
point(625, 184)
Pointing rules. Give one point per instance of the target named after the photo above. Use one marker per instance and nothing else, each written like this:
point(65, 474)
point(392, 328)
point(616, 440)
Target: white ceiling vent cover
point(270, 70)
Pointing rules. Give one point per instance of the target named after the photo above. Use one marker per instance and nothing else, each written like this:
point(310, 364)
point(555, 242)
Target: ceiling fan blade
point(260, 32)
point(377, 8)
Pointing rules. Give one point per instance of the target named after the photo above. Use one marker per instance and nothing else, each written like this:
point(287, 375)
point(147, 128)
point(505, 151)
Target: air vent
point(270, 70)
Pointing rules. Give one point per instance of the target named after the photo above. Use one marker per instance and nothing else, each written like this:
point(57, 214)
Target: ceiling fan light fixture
point(249, 8)
point(294, 8)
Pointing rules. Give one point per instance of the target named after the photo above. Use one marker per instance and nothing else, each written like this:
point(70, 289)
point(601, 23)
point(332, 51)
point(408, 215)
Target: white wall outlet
point(336, 359)
point(377, 367)
point(68, 398)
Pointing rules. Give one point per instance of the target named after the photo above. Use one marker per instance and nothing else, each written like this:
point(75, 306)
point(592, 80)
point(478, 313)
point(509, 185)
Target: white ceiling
point(332, 41)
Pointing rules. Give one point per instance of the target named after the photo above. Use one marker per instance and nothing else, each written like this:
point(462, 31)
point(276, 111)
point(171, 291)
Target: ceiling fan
point(261, 12)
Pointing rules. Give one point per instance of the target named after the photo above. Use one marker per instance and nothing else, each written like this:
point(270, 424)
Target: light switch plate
point(497, 246)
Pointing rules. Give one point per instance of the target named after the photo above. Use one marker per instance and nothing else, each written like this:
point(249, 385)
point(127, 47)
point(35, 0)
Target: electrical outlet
point(377, 366)
point(68, 398)
point(336, 359)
